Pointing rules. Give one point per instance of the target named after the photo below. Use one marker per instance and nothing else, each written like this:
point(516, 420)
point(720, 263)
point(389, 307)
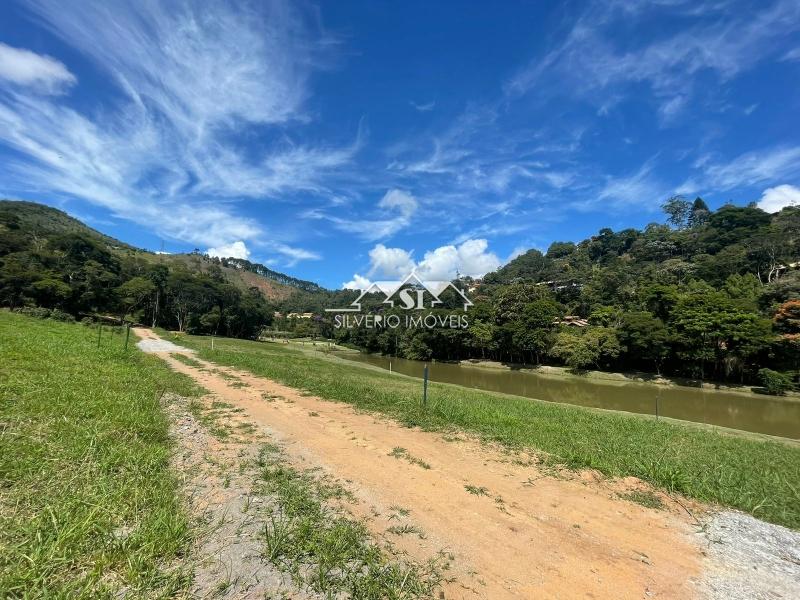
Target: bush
point(60, 315)
point(774, 382)
point(34, 311)
point(40, 312)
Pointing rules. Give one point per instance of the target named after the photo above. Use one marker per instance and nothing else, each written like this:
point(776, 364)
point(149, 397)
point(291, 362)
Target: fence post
point(127, 336)
point(99, 333)
point(658, 396)
point(212, 342)
point(425, 387)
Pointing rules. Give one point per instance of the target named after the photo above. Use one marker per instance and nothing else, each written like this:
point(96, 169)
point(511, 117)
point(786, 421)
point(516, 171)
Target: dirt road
point(515, 530)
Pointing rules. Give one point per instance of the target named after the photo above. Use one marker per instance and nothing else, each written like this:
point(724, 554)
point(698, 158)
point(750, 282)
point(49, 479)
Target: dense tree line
point(81, 274)
point(712, 294)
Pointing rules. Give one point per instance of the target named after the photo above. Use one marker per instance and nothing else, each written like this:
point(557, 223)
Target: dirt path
point(515, 531)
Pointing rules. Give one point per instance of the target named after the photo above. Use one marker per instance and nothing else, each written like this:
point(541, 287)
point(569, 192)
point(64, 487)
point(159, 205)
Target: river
point(748, 412)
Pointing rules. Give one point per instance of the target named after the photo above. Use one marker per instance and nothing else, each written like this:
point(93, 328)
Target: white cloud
point(395, 211)
point(390, 263)
point(25, 68)
point(752, 168)
point(443, 263)
point(469, 258)
point(237, 249)
point(775, 198)
point(357, 283)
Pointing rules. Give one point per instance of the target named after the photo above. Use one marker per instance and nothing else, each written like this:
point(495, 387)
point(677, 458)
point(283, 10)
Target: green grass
point(88, 506)
point(328, 550)
point(476, 491)
point(187, 360)
point(645, 498)
point(760, 477)
point(398, 452)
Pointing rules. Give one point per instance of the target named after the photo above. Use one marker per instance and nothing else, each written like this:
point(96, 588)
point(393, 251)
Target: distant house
point(476, 283)
point(572, 321)
point(277, 315)
point(306, 315)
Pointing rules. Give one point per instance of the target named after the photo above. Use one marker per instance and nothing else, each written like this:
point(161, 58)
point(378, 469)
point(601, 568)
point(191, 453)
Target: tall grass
point(760, 477)
point(88, 507)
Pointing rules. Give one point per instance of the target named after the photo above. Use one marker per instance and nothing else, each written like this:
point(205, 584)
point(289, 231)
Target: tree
point(133, 293)
point(50, 291)
point(158, 275)
point(709, 328)
point(482, 335)
point(644, 338)
point(699, 213)
point(533, 330)
point(787, 317)
point(594, 346)
point(678, 211)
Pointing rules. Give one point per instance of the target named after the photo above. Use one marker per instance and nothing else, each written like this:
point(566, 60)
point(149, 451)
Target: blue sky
point(349, 141)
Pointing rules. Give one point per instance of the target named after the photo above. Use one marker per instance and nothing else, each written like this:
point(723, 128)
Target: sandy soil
point(526, 533)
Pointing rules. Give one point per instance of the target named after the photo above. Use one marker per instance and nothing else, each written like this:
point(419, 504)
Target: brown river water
point(748, 412)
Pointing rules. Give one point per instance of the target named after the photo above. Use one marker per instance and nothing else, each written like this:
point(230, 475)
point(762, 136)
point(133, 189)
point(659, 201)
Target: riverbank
point(641, 377)
point(760, 477)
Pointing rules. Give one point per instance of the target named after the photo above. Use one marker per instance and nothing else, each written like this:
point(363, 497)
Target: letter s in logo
point(407, 298)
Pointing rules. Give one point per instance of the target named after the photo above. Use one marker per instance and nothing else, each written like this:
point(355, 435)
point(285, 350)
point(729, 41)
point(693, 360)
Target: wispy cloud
point(752, 168)
point(394, 213)
point(425, 107)
point(25, 68)
point(640, 189)
point(725, 40)
point(195, 79)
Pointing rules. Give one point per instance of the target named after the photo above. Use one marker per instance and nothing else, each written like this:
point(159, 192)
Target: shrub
point(60, 315)
point(774, 382)
point(34, 311)
point(40, 312)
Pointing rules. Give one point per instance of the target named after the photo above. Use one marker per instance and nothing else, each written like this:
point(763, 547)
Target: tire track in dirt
point(515, 530)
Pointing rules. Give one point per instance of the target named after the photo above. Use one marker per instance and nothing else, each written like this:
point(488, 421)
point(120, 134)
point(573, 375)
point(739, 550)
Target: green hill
point(41, 222)
point(51, 260)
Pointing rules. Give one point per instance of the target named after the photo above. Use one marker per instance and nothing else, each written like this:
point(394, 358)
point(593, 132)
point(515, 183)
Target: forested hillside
point(709, 295)
point(53, 261)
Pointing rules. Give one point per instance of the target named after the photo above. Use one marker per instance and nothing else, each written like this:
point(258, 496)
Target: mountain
point(39, 223)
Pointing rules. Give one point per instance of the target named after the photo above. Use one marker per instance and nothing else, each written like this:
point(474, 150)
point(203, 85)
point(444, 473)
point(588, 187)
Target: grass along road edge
point(88, 505)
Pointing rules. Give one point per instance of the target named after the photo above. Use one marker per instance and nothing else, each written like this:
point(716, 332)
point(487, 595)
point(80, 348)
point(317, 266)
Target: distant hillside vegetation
point(42, 221)
point(52, 260)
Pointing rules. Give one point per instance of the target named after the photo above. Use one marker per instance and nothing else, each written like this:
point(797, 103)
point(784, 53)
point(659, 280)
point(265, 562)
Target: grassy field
point(760, 477)
point(88, 506)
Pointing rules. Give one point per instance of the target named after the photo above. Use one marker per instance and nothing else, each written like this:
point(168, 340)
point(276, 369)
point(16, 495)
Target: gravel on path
point(155, 346)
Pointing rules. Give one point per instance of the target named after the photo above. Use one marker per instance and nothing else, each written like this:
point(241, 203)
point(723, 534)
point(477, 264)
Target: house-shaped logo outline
point(390, 288)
